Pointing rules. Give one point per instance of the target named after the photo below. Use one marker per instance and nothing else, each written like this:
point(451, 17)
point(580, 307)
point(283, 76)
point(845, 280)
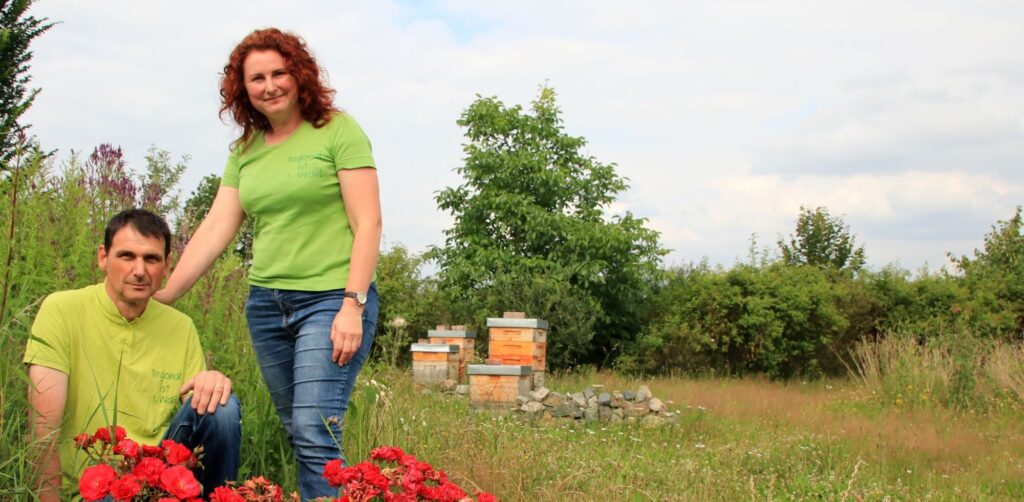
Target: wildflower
point(127, 448)
point(149, 469)
point(95, 481)
point(175, 453)
point(225, 494)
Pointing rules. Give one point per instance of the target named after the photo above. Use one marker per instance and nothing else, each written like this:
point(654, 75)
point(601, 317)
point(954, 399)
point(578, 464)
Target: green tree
point(995, 279)
point(533, 208)
point(16, 33)
point(196, 207)
point(823, 241)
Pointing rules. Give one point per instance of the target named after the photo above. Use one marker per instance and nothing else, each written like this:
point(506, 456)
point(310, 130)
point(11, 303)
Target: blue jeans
point(220, 434)
point(291, 335)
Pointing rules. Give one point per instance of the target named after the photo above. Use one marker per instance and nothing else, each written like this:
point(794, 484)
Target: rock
point(604, 399)
point(540, 393)
point(630, 420)
point(592, 402)
point(672, 418)
point(449, 385)
point(522, 400)
point(651, 421)
point(615, 418)
point(532, 407)
point(564, 410)
point(636, 410)
point(604, 413)
point(462, 389)
point(554, 399)
point(619, 402)
point(591, 413)
point(578, 399)
point(643, 394)
point(588, 393)
point(657, 406)
point(629, 395)
point(617, 412)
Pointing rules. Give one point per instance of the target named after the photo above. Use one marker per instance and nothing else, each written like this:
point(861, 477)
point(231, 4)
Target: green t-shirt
point(82, 334)
point(301, 236)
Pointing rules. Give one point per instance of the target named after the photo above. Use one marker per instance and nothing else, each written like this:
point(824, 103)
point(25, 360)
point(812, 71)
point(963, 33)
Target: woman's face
point(272, 90)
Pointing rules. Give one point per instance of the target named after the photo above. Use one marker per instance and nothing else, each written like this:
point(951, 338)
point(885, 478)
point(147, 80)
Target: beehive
point(519, 341)
point(494, 386)
point(433, 363)
point(465, 340)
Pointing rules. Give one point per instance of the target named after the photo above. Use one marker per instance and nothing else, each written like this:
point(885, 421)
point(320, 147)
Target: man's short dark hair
point(142, 221)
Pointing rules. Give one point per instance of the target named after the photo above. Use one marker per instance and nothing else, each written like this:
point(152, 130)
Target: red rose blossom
point(102, 434)
point(127, 448)
point(149, 469)
point(180, 482)
point(225, 494)
point(83, 440)
point(387, 453)
point(125, 488)
point(175, 453)
point(485, 497)
point(152, 451)
point(95, 481)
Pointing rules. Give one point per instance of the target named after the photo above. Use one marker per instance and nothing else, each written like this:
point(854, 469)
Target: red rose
point(485, 497)
point(387, 453)
point(125, 488)
point(102, 434)
point(180, 482)
point(225, 494)
point(127, 448)
point(372, 475)
point(95, 481)
point(152, 451)
point(119, 434)
point(333, 471)
point(168, 499)
point(149, 469)
point(175, 453)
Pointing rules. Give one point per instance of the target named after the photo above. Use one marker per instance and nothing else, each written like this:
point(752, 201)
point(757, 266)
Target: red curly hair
point(315, 97)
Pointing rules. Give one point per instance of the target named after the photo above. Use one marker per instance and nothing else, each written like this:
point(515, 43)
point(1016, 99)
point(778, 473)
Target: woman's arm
point(360, 193)
point(210, 240)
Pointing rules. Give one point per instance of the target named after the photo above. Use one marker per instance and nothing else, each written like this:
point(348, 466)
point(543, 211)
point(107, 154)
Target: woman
point(304, 173)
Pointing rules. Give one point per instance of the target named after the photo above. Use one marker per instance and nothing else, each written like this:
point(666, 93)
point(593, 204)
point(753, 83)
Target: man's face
point(135, 266)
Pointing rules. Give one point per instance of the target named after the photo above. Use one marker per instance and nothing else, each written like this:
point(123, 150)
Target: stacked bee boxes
point(495, 386)
point(459, 336)
point(433, 363)
point(514, 340)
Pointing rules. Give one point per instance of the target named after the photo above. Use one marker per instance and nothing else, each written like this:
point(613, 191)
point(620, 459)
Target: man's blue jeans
point(220, 434)
point(291, 335)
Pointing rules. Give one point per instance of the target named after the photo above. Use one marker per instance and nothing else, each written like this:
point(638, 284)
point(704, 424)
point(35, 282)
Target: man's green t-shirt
point(137, 366)
point(301, 236)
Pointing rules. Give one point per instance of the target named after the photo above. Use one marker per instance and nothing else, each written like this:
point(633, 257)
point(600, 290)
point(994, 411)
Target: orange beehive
point(492, 386)
point(519, 341)
point(433, 363)
point(465, 340)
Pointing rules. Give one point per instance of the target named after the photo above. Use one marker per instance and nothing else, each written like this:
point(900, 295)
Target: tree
point(531, 214)
point(196, 207)
point(823, 241)
point(16, 33)
point(995, 279)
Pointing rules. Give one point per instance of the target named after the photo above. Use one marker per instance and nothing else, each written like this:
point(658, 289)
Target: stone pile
point(592, 404)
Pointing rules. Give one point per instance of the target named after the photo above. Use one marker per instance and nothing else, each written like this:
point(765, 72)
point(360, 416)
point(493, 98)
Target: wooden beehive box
point(519, 341)
point(433, 363)
point(465, 340)
point(497, 386)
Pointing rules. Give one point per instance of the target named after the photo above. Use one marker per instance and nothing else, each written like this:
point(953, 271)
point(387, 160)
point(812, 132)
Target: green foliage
point(777, 320)
point(198, 204)
point(17, 30)
point(824, 241)
point(407, 295)
point(530, 215)
point(995, 279)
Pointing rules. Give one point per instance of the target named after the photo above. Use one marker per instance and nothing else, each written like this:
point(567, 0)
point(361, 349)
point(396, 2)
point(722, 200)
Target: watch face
point(361, 298)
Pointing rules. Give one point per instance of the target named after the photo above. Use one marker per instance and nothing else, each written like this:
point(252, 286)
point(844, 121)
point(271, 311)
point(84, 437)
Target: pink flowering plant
point(127, 471)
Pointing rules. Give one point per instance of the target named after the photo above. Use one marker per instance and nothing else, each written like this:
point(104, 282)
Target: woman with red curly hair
point(304, 173)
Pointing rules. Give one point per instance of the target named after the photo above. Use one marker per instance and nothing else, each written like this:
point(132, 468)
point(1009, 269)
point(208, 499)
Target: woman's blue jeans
point(291, 335)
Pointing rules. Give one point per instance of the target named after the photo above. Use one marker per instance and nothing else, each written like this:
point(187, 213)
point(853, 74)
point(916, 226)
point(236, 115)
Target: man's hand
point(209, 390)
point(346, 333)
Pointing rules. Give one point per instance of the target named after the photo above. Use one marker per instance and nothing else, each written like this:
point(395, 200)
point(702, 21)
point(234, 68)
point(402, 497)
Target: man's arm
point(47, 395)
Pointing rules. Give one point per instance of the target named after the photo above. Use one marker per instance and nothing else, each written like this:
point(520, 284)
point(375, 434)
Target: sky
point(906, 118)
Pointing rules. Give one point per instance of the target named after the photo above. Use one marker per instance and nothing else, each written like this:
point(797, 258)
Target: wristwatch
point(359, 297)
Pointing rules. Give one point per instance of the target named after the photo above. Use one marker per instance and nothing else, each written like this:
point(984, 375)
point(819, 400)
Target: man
point(106, 354)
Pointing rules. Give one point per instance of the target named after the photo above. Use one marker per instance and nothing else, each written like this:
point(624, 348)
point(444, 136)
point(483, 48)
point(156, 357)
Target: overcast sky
point(726, 116)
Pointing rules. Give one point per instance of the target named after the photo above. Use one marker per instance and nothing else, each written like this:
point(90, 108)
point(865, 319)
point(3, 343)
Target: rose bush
point(127, 471)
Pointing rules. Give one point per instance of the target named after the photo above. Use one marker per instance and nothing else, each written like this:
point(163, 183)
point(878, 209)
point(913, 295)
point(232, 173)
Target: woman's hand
point(347, 332)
